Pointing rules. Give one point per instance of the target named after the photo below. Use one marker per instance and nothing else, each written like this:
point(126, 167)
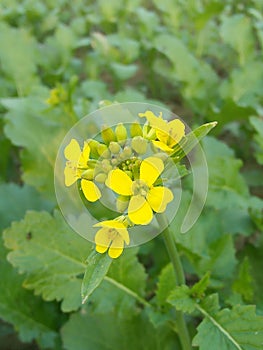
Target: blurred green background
point(60, 60)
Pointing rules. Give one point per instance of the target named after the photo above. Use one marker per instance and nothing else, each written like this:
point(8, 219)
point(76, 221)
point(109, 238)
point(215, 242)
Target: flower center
point(139, 187)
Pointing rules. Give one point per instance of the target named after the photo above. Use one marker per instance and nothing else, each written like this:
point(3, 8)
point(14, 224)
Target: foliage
point(58, 62)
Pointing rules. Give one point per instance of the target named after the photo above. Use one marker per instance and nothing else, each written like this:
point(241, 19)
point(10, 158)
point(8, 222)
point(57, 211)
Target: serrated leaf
point(96, 270)
point(243, 283)
point(51, 255)
point(181, 299)
point(191, 140)
point(31, 317)
point(89, 330)
point(236, 329)
point(198, 289)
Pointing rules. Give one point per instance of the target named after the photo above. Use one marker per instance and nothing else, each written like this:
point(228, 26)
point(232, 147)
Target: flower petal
point(176, 130)
point(102, 239)
point(150, 169)
point(72, 151)
point(84, 156)
point(110, 223)
point(101, 249)
point(123, 232)
point(159, 197)
point(139, 211)
point(90, 190)
point(71, 176)
point(116, 247)
point(162, 146)
point(119, 182)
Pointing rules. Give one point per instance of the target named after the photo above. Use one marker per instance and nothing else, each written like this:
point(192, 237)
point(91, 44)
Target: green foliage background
point(202, 59)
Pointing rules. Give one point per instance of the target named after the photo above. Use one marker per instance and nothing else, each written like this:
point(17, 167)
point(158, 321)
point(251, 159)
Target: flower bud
point(114, 147)
point(88, 174)
point(93, 144)
point(136, 129)
point(122, 203)
point(121, 132)
point(139, 144)
point(101, 148)
point(101, 178)
point(106, 165)
point(107, 134)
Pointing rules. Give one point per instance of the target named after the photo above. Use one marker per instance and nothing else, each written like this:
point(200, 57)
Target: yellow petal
point(72, 151)
point(162, 146)
point(119, 182)
point(71, 176)
point(84, 156)
point(101, 249)
point(90, 190)
point(139, 211)
point(123, 232)
point(150, 169)
point(163, 134)
point(159, 197)
point(102, 239)
point(176, 130)
point(116, 247)
point(110, 223)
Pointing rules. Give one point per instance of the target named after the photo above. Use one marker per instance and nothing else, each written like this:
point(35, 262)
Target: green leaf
point(258, 125)
point(191, 140)
point(165, 284)
point(238, 33)
point(107, 331)
point(25, 198)
point(27, 126)
point(17, 57)
point(198, 289)
point(96, 270)
point(51, 255)
point(181, 299)
point(243, 284)
point(236, 329)
point(124, 283)
point(31, 317)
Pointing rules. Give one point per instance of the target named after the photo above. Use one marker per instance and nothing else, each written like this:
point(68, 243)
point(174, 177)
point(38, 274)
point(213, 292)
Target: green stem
point(179, 278)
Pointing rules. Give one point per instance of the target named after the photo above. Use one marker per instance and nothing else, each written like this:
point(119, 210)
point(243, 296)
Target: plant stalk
point(179, 279)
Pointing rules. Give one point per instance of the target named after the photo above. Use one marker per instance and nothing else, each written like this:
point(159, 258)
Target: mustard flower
point(168, 134)
point(77, 163)
point(144, 196)
point(113, 234)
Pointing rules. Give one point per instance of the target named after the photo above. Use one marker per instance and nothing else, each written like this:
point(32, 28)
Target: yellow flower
point(145, 198)
point(112, 235)
point(76, 164)
point(167, 133)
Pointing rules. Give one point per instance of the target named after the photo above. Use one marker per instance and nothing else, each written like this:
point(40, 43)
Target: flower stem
point(179, 278)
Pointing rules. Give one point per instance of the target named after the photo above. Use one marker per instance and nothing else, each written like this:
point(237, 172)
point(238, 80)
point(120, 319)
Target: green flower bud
point(93, 144)
point(136, 129)
point(122, 203)
point(101, 148)
point(139, 144)
point(107, 134)
point(101, 178)
point(114, 161)
point(127, 151)
point(148, 132)
point(121, 132)
point(88, 174)
point(106, 165)
point(114, 147)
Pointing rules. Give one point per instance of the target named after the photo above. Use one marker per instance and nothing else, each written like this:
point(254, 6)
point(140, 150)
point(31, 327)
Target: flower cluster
point(119, 160)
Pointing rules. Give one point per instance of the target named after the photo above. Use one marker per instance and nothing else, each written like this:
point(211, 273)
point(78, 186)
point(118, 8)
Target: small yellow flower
point(112, 235)
point(168, 134)
point(76, 164)
point(145, 198)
